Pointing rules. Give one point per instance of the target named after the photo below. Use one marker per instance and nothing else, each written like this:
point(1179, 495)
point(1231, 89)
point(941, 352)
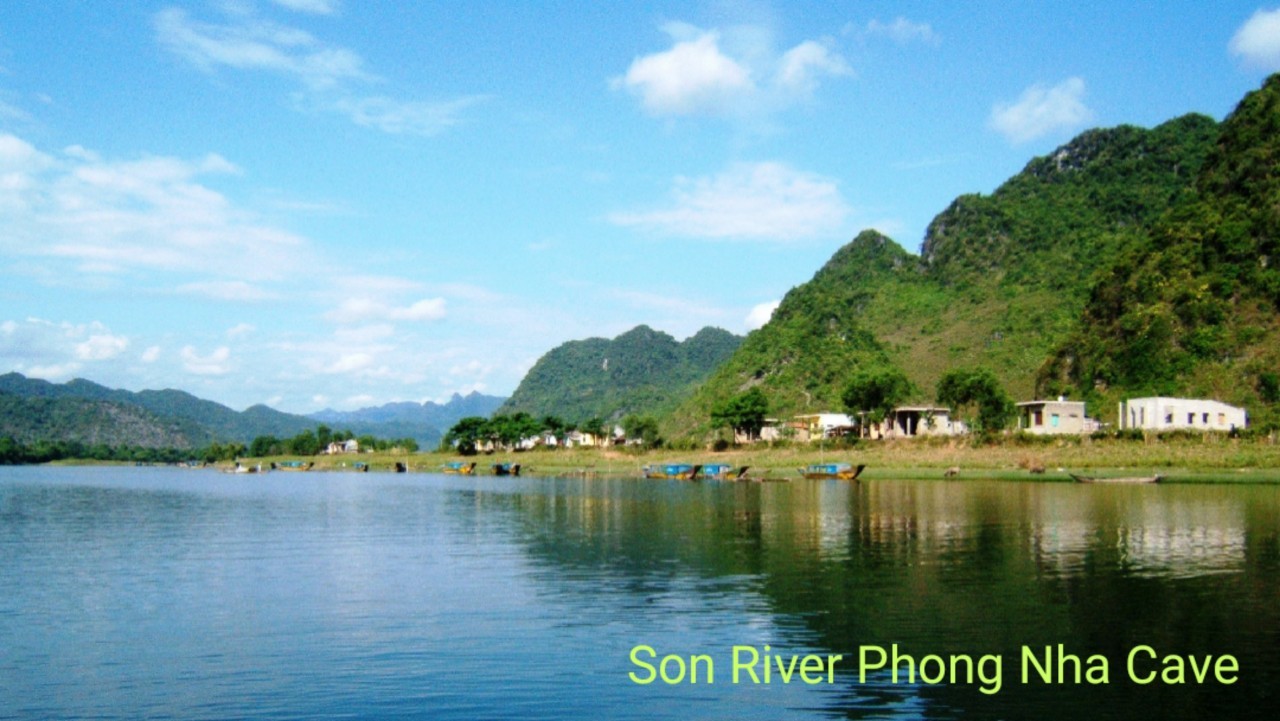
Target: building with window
point(1060, 417)
point(1165, 414)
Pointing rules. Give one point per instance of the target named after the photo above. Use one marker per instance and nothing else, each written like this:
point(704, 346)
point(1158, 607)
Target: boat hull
point(1121, 480)
point(832, 472)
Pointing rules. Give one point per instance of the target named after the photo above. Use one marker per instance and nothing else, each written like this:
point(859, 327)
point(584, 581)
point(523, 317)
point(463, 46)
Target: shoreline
point(1209, 459)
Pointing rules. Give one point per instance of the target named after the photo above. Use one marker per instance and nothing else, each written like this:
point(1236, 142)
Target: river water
point(131, 593)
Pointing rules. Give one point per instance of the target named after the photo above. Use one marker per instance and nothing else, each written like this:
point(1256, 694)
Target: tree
point(744, 413)
point(976, 388)
point(466, 434)
point(645, 428)
point(876, 392)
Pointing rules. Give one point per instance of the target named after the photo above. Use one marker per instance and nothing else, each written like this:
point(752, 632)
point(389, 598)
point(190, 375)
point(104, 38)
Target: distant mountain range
point(32, 410)
point(409, 420)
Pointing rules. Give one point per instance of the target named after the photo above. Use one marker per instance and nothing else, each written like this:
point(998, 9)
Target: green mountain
point(1001, 280)
point(1195, 307)
point(199, 421)
point(641, 371)
point(30, 420)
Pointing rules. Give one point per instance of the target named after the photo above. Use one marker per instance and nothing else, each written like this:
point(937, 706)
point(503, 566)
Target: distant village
point(1040, 417)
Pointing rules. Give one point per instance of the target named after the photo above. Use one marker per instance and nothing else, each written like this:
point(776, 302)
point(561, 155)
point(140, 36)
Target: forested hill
point(642, 371)
point(1194, 308)
point(180, 414)
point(1001, 281)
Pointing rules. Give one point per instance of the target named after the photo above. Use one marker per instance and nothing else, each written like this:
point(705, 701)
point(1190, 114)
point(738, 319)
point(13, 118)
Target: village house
point(814, 426)
point(1057, 417)
point(1163, 414)
point(339, 447)
point(910, 421)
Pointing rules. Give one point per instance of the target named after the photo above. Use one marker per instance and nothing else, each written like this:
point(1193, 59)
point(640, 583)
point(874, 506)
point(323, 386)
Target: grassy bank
point(1207, 458)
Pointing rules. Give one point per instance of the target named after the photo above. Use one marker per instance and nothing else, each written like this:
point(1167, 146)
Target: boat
point(291, 465)
point(722, 472)
point(460, 467)
point(360, 466)
point(832, 471)
point(506, 469)
point(1155, 478)
point(240, 468)
point(672, 471)
point(401, 467)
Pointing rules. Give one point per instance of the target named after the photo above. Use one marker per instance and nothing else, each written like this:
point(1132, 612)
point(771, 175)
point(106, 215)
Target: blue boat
point(722, 472)
point(672, 471)
point(832, 471)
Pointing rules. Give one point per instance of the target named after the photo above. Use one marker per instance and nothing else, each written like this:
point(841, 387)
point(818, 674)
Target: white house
point(1060, 417)
point(821, 425)
point(909, 421)
point(1162, 414)
point(337, 447)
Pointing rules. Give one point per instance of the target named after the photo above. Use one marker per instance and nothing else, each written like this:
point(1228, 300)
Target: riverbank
point(1207, 458)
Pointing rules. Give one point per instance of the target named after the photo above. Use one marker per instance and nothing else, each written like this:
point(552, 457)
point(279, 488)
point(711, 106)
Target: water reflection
point(191, 595)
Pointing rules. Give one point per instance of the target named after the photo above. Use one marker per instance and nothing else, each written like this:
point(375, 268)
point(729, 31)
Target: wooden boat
point(506, 469)
point(401, 467)
point(722, 472)
point(360, 466)
point(672, 471)
point(832, 471)
point(291, 466)
point(460, 467)
point(1122, 479)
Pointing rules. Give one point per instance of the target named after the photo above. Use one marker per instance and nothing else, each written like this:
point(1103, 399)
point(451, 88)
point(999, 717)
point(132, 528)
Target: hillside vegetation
point(642, 371)
point(1195, 307)
point(1000, 283)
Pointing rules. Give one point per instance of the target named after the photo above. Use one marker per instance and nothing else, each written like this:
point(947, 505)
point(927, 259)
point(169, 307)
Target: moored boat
point(291, 465)
point(672, 471)
point(832, 471)
point(722, 472)
point(460, 467)
point(1154, 478)
point(506, 469)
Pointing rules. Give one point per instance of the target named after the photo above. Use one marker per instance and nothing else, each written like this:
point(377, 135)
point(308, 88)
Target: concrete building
point(910, 421)
point(813, 426)
point(1165, 414)
point(1060, 417)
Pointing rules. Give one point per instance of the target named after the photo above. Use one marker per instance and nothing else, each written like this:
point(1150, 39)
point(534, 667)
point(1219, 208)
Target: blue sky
point(331, 203)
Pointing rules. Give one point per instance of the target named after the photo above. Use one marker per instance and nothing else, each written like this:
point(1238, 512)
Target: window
point(1053, 420)
point(1168, 419)
point(1204, 418)
point(1191, 419)
point(1222, 419)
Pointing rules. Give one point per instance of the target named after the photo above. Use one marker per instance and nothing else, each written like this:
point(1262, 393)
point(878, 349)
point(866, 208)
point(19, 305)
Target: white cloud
point(761, 313)
point(359, 310)
point(697, 76)
point(749, 201)
point(903, 31)
point(57, 372)
point(315, 7)
point(350, 363)
point(254, 44)
point(802, 66)
point(214, 364)
point(101, 346)
point(233, 290)
point(329, 76)
point(240, 330)
point(1257, 42)
point(150, 355)
point(114, 216)
point(693, 76)
point(405, 117)
point(1041, 111)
